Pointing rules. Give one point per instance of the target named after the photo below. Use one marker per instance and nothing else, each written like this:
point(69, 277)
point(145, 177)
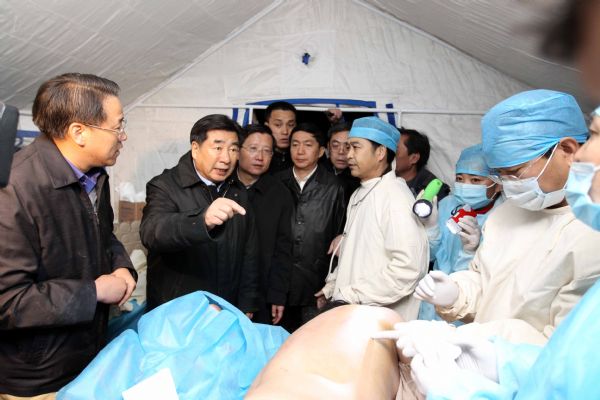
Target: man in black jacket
point(197, 224)
point(273, 205)
point(337, 147)
point(319, 209)
point(60, 264)
point(280, 117)
point(411, 160)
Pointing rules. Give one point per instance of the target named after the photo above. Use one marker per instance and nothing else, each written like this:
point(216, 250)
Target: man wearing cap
point(383, 251)
point(536, 260)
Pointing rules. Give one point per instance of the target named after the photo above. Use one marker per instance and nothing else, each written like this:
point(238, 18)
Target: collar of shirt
point(87, 180)
point(208, 182)
point(237, 171)
point(302, 182)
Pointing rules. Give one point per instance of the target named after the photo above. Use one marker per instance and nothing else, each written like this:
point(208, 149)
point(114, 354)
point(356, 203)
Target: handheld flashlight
point(424, 206)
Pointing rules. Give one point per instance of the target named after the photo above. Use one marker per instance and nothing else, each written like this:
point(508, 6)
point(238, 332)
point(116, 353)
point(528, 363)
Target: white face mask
point(526, 193)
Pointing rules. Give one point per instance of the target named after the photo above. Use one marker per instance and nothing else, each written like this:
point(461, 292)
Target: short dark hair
point(313, 130)
point(338, 127)
point(214, 122)
point(278, 105)
point(389, 155)
point(257, 128)
point(564, 33)
point(418, 143)
point(69, 98)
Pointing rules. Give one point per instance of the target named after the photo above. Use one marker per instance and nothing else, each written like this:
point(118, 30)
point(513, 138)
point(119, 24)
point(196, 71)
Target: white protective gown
point(384, 252)
point(528, 273)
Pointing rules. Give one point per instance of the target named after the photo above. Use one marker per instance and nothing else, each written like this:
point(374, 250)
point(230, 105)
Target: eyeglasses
point(340, 146)
point(121, 135)
point(500, 179)
point(255, 150)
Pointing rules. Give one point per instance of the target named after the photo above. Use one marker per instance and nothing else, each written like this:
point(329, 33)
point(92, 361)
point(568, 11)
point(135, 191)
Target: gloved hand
point(437, 288)
point(431, 222)
point(470, 234)
point(478, 354)
point(407, 334)
point(436, 375)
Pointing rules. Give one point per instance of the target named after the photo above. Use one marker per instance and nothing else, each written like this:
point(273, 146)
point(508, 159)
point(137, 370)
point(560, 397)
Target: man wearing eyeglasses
point(337, 150)
point(273, 206)
point(60, 264)
point(536, 260)
point(197, 224)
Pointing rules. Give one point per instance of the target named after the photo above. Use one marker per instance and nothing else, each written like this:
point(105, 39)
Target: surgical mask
point(473, 195)
point(577, 193)
point(526, 193)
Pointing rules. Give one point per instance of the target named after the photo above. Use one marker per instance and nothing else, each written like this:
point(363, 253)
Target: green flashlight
point(424, 206)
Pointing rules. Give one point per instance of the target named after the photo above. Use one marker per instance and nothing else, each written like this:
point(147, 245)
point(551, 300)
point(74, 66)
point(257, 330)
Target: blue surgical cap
point(471, 161)
point(377, 130)
point(526, 125)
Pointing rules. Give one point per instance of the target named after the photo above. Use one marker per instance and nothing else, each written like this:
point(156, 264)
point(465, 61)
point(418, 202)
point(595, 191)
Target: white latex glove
point(470, 234)
point(434, 376)
point(478, 354)
point(437, 288)
point(408, 334)
point(431, 222)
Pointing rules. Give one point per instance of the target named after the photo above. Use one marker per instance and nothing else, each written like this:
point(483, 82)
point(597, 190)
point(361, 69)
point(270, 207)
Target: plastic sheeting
point(210, 354)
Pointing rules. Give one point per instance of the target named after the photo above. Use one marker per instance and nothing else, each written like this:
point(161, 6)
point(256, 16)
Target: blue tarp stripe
point(391, 116)
point(336, 102)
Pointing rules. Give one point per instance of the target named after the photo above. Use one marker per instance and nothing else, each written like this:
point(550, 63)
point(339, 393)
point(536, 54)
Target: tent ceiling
point(141, 43)
point(137, 43)
point(503, 34)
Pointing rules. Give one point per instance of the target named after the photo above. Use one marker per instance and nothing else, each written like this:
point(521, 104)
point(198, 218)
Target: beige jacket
point(384, 252)
point(529, 272)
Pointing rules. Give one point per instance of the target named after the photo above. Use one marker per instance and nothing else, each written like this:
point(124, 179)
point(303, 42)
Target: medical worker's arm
point(27, 301)
point(406, 245)
point(585, 272)
point(165, 227)
point(469, 293)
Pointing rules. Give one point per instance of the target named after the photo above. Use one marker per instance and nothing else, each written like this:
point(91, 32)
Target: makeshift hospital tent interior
point(432, 65)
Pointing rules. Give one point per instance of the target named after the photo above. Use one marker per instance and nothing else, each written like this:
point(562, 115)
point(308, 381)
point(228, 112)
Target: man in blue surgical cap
point(475, 191)
point(536, 260)
point(383, 250)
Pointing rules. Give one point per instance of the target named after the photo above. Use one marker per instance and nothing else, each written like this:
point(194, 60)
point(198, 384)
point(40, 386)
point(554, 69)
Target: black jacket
point(318, 217)
point(280, 161)
point(421, 181)
point(349, 183)
point(52, 249)
point(273, 207)
point(182, 255)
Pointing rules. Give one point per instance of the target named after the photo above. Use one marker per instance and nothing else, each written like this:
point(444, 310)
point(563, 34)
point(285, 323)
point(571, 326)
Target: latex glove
point(431, 222)
point(437, 288)
point(478, 354)
point(408, 334)
point(434, 376)
point(470, 234)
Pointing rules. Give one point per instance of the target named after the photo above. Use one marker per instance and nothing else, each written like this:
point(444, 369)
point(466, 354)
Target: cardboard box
point(129, 211)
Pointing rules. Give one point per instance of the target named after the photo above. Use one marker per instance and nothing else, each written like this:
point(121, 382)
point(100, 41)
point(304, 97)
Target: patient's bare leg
point(333, 357)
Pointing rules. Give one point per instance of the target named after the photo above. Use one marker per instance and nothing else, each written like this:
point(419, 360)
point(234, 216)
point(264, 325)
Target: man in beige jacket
point(383, 251)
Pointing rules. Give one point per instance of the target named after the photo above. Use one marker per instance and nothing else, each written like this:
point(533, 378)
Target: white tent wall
point(356, 52)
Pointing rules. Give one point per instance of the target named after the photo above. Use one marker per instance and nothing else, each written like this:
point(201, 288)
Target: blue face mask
point(473, 195)
point(577, 191)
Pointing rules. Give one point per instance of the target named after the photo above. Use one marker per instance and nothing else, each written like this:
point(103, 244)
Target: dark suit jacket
point(53, 246)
